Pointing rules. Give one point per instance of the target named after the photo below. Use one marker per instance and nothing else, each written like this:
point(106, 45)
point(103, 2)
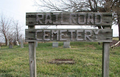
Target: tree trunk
point(118, 24)
point(119, 30)
point(6, 41)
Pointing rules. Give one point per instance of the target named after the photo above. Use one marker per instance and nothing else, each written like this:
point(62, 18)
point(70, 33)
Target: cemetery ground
point(87, 56)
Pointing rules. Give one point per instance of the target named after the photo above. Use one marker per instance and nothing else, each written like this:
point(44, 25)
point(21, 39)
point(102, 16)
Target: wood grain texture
point(105, 59)
point(69, 18)
point(32, 57)
point(89, 35)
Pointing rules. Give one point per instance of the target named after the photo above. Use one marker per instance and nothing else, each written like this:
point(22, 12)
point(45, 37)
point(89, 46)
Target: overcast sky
point(17, 9)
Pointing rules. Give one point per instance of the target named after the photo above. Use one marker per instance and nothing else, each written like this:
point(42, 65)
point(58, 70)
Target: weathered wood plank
point(105, 59)
point(32, 57)
point(90, 35)
point(73, 18)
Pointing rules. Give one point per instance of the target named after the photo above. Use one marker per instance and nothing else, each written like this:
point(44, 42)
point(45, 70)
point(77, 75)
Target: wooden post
point(36, 44)
point(105, 59)
point(22, 43)
point(32, 57)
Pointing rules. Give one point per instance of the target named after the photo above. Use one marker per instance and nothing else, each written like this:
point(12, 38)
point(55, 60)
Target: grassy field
point(88, 61)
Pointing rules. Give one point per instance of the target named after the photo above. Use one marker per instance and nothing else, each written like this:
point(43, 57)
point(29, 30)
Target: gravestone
point(66, 45)
point(55, 44)
point(10, 45)
point(17, 43)
point(7, 42)
point(21, 42)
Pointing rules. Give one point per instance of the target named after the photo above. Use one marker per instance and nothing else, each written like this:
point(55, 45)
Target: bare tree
point(83, 5)
point(5, 25)
point(62, 5)
point(70, 5)
point(115, 7)
point(17, 30)
point(10, 38)
point(9, 29)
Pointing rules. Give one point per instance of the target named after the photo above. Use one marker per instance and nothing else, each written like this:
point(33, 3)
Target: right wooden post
point(105, 59)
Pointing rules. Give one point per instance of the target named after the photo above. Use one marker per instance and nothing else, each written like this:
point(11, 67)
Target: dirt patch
point(91, 46)
point(74, 48)
point(62, 61)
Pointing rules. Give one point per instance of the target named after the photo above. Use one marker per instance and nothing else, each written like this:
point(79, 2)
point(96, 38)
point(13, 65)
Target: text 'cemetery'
point(69, 35)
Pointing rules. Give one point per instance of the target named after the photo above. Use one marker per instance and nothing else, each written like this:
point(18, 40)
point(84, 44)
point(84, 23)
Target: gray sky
point(18, 8)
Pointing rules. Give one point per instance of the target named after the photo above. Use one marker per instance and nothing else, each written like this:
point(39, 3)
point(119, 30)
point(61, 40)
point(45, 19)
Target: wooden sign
point(92, 35)
point(73, 18)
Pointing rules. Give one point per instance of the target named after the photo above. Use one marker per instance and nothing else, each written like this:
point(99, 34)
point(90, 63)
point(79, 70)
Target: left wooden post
point(32, 56)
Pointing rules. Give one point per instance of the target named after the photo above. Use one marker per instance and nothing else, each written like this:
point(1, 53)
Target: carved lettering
point(62, 34)
point(73, 18)
point(48, 18)
point(88, 34)
point(56, 18)
point(71, 32)
point(54, 34)
point(70, 35)
point(79, 35)
point(46, 35)
point(90, 19)
point(36, 35)
point(96, 33)
point(81, 18)
point(98, 18)
point(40, 18)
